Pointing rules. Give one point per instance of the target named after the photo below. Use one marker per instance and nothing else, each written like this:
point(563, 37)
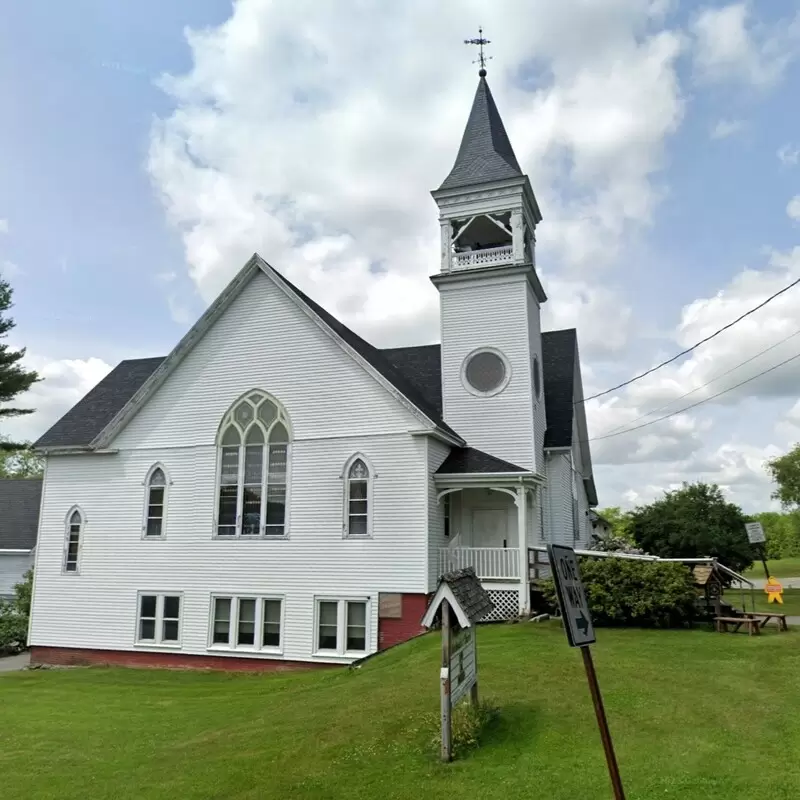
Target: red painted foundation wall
point(394, 631)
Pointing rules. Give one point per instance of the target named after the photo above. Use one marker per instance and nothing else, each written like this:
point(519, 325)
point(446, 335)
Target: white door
point(490, 527)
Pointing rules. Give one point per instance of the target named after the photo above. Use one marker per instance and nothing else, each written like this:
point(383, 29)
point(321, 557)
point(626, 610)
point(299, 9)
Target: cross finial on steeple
point(481, 59)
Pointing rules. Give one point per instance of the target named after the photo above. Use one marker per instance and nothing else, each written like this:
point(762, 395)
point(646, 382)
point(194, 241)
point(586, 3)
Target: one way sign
point(571, 595)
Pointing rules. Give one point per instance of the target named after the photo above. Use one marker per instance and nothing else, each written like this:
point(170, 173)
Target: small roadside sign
point(571, 596)
point(774, 591)
point(755, 532)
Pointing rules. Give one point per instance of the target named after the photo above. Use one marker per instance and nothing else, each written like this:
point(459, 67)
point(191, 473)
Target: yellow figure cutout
point(774, 591)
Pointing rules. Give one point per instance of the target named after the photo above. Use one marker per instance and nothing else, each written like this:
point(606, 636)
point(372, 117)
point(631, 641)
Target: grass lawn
point(694, 715)
point(782, 568)
point(791, 601)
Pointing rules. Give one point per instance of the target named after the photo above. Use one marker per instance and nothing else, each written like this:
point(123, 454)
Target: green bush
point(468, 725)
point(630, 592)
point(14, 617)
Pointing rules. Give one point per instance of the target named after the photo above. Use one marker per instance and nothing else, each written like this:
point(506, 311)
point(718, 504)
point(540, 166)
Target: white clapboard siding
point(437, 453)
point(558, 499)
point(489, 313)
point(97, 607)
point(535, 348)
point(12, 567)
point(263, 341)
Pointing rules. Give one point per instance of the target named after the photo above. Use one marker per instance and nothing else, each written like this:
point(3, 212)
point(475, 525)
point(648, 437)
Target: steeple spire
point(485, 153)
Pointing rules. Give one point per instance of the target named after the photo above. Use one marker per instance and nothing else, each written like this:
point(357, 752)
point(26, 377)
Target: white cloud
point(730, 45)
point(294, 136)
point(64, 382)
point(725, 128)
point(789, 155)
point(793, 208)
point(3, 226)
point(10, 270)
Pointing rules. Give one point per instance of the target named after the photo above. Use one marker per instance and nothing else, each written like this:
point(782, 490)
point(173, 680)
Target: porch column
point(522, 526)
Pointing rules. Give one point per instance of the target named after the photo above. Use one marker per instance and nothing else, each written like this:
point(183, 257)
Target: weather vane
point(481, 59)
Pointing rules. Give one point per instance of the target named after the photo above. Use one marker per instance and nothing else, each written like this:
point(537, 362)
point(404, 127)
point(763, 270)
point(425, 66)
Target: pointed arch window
point(72, 540)
point(155, 510)
point(253, 469)
point(358, 476)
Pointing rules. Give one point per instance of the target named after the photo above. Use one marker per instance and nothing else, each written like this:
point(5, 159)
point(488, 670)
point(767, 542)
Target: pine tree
point(14, 378)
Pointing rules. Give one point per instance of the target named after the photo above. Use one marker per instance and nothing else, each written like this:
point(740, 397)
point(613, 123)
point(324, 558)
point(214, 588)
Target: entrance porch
point(491, 519)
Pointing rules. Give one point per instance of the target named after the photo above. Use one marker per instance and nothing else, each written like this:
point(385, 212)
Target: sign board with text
point(755, 532)
point(571, 595)
point(463, 671)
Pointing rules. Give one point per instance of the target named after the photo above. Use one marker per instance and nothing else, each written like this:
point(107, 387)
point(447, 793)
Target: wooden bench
point(752, 625)
point(763, 617)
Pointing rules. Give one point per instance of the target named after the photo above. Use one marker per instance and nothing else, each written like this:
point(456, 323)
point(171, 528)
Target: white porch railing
point(481, 258)
point(488, 562)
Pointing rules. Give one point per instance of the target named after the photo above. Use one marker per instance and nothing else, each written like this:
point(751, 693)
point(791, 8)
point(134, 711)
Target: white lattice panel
point(506, 605)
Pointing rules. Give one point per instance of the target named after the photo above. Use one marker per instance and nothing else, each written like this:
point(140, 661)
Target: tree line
point(696, 520)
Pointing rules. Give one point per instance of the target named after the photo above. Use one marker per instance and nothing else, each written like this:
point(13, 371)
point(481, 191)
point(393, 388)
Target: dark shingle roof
point(85, 420)
point(558, 371)
point(469, 460)
point(471, 596)
point(485, 153)
point(423, 367)
point(20, 499)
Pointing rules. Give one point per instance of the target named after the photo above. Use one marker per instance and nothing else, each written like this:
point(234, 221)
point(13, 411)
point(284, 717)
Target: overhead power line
point(707, 383)
point(693, 347)
point(695, 405)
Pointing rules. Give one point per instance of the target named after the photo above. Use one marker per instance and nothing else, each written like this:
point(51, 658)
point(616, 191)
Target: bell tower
point(490, 294)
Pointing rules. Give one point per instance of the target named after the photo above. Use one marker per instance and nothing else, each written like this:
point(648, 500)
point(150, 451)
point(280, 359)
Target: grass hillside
point(694, 715)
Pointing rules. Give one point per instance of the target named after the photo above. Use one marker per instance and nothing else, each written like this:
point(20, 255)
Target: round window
point(486, 372)
point(537, 378)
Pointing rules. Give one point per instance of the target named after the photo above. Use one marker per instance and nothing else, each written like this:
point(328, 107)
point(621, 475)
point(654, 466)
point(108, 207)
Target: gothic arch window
point(254, 448)
point(73, 534)
point(154, 525)
point(358, 477)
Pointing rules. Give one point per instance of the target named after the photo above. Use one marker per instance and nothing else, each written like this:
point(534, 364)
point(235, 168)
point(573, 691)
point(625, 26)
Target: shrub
point(14, 617)
point(468, 724)
point(628, 592)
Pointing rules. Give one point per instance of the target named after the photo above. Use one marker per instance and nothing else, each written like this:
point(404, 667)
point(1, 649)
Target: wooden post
point(447, 747)
point(473, 694)
point(602, 722)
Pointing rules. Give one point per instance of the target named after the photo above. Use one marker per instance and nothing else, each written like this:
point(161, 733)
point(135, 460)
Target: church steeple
point(487, 210)
point(485, 153)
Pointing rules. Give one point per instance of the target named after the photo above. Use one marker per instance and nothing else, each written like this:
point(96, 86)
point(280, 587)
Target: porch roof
point(470, 460)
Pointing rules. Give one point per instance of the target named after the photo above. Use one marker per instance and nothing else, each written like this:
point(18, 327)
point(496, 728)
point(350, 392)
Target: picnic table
point(763, 617)
point(723, 623)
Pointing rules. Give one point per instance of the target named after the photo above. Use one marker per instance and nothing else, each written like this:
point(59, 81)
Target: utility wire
point(693, 347)
point(707, 383)
point(694, 405)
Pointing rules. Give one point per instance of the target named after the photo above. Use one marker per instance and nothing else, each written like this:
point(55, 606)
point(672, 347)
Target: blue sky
point(130, 198)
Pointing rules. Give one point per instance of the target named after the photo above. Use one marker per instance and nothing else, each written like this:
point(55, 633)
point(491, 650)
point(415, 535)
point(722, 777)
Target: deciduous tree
point(692, 522)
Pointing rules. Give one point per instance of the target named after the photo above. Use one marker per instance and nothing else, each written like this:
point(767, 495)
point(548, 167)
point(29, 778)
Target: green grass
point(781, 568)
point(791, 601)
point(694, 715)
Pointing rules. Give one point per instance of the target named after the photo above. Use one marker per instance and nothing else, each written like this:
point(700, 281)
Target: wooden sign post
point(580, 633)
point(459, 602)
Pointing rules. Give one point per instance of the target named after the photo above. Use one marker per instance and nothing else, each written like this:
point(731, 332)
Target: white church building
point(279, 492)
